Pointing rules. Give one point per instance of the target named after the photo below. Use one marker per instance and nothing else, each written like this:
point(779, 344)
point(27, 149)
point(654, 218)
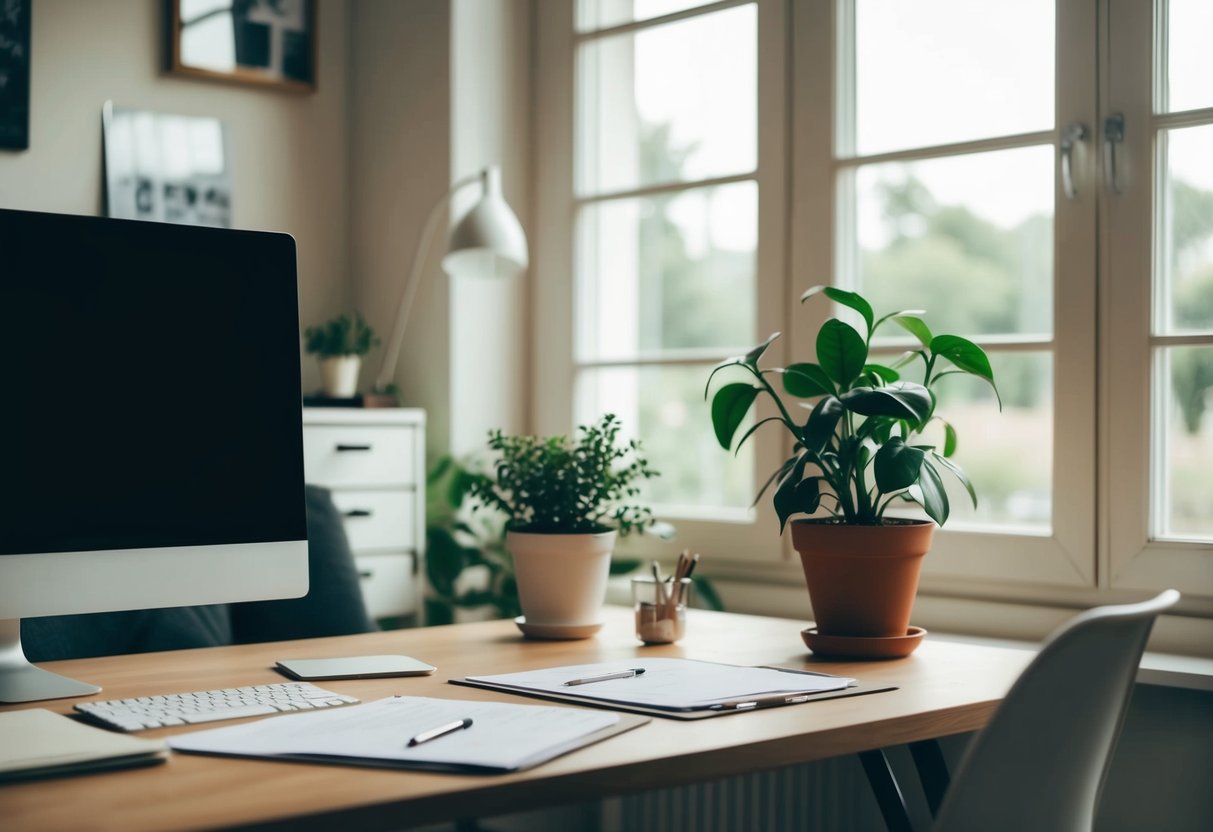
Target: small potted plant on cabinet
point(340, 345)
point(857, 448)
point(566, 502)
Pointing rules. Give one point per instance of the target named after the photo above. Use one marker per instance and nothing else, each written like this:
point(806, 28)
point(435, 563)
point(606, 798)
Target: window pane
point(1185, 281)
point(940, 71)
point(669, 272)
point(1184, 484)
point(664, 407)
point(599, 14)
point(1189, 61)
point(1008, 455)
point(673, 103)
point(969, 238)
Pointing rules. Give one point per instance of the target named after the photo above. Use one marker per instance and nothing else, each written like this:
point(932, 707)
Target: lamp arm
point(392, 353)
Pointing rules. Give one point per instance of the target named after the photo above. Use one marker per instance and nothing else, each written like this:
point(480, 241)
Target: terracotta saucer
point(556, 632)
point(862, 647)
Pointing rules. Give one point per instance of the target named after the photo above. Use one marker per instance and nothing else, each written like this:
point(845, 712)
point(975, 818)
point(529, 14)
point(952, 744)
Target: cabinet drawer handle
point(359, 512)
point(366, 573)
point(343, 447)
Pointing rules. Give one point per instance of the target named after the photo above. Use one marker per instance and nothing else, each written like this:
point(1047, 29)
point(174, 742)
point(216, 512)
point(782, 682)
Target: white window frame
point(1099, 549)
point(1130, 558)
point(555, 255)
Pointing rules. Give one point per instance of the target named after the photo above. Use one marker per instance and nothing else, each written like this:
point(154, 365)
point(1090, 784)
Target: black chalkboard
point(14, 74)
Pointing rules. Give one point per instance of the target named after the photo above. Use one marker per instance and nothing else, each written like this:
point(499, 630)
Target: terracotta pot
point(862, 580)
point(562, 578)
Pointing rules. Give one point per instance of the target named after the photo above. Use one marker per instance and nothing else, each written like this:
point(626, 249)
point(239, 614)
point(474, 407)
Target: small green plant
point(342, 335)
point(461, 541)
point(560, 486)
point(857, 450)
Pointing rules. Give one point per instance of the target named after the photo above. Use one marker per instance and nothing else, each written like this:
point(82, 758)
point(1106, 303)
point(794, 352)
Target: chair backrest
point(1042, 759)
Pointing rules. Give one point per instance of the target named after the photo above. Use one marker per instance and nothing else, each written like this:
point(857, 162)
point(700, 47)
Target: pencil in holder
point(661, 610)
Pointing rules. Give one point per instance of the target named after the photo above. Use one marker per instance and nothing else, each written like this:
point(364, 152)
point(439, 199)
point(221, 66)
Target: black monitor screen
point(150, 391)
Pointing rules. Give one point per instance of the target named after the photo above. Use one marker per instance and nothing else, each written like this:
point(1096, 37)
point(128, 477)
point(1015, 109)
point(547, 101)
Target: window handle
point(1113, 135)
point(1075, 132)
point(343, 447)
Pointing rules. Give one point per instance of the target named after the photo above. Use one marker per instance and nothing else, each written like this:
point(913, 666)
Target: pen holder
point(661, 616)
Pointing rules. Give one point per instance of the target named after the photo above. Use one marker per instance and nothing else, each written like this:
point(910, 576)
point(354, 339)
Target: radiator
point(827, 796)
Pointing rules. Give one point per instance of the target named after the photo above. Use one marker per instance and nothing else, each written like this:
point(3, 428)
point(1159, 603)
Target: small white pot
point(562, 578)
point(339, 376)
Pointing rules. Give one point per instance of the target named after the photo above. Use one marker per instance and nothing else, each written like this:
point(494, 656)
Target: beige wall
point(288, 151)
point(399, 118)
point(411, 95)
point(490, 125)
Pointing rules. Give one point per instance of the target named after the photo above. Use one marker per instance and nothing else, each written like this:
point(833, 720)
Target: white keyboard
point(210, 705)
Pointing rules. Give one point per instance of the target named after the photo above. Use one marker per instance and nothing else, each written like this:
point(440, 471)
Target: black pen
point(441, 731)
point(622, 674)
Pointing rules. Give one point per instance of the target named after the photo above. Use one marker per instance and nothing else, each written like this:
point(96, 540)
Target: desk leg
point(888, 793)
point(932, 771)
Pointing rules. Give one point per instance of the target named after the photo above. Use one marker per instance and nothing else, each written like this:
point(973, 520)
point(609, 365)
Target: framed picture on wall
point(14, 74)
point(269, 43)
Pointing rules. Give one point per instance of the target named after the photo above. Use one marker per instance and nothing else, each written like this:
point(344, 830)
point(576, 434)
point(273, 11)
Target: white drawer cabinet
point(374, 463)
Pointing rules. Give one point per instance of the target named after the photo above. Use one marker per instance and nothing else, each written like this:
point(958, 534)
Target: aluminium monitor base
point(20, 681)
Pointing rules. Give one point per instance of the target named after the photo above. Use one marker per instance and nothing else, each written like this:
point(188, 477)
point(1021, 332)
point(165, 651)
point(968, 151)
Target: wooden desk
point(945, 688)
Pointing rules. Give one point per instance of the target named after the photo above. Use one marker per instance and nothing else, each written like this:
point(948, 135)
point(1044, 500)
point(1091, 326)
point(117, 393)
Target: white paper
point(502, 736)
point(681, 684)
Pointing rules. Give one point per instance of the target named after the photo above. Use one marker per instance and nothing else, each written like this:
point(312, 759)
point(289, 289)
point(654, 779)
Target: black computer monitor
point(150, 419)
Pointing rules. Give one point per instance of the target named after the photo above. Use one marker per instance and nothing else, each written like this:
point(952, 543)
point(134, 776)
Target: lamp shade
point(488, 240)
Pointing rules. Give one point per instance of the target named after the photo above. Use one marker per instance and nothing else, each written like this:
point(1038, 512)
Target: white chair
point(1041, 761)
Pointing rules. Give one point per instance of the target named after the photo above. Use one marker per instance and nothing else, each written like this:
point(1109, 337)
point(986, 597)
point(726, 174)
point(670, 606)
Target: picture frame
point(266, 43)
point(14, 74)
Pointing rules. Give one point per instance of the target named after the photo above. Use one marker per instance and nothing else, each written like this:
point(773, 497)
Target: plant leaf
point(706, 592)
point(623, 566)
point(903, 400)
point(959, 474)
point(854, 300)
point(806, 381)
point(785, 501)
point(916, 327)
point(934, 496)
point(886, 374)
point(729, 408)
point(964, 354)
point(753, 428)
point(949, 438)
point(750, 359)
point(779, 473)
point(735, 361)
point(821, 423)
point(903, 313)
point(841, 351)
point(897, 465)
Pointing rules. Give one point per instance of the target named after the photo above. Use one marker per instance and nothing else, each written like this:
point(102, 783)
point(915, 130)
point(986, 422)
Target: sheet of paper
point(502, 736)
point(668, 683)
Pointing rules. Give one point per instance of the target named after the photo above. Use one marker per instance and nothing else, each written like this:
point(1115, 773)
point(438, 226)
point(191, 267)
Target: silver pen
point(441, 731)
point(622, 674)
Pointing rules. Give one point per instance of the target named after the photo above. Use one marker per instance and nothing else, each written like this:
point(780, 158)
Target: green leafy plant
point(561, 486)
point(343, 335)
point(460, 540)
point(859, 447)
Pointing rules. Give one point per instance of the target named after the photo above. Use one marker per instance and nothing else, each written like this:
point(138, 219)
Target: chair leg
point(888, 793)
point(932, 771)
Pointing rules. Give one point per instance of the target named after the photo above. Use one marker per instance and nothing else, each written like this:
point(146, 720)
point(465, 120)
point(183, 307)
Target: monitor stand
point(20, 681)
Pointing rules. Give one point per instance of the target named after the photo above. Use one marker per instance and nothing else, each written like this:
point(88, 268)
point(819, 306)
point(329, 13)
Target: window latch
point(1113, 135)
point(1074, 133)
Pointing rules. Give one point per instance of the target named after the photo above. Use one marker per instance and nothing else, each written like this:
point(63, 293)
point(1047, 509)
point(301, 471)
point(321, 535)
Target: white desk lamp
point(488, 240)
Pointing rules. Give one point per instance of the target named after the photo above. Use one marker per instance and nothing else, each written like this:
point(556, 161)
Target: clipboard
point(706, 712)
